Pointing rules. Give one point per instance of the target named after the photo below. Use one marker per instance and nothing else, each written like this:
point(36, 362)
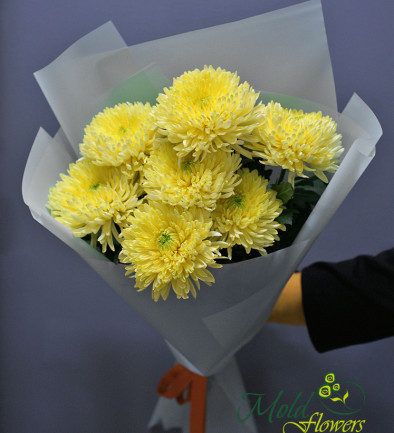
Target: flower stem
point(281, 176)
point(93, 240)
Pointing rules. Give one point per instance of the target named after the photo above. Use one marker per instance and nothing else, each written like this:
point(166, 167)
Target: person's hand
point(288, 308)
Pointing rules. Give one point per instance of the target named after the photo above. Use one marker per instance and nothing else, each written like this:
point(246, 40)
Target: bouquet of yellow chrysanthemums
point(169, 187)
point(169, 183)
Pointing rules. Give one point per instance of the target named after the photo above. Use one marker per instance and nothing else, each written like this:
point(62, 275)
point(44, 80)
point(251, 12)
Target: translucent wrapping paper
point(100, 70)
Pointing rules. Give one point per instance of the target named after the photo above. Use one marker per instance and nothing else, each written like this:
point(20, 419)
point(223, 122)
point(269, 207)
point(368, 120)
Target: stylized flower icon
point(325, 391)
point(334, 396)
point(330, 378)
point(336, 387)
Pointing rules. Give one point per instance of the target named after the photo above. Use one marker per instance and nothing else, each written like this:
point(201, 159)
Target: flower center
point(164, 240)
point(237, 201)
point(187, 165)
point(122, 130)
point(94, 187)
point(204, 101)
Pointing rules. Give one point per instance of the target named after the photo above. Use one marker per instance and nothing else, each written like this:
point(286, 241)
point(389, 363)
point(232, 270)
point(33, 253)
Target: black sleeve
point(350, 302)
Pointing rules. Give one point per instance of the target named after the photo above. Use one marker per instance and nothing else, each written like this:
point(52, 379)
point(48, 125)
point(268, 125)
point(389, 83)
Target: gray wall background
point(74, 357)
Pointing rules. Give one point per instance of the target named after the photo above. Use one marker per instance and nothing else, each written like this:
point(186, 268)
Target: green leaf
point(286, 217)
point(311, 184)
point(255, 164)
point(284, 191)
point(345, 396)
point(336, 399)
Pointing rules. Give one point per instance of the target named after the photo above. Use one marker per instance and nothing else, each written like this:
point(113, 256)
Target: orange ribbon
point(175, 382)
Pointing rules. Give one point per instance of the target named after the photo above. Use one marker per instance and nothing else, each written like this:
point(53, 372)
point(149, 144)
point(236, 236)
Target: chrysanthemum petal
point(187, 182)
point(299, 142)
point(248, 217)
point(207, 111)
point(90, 200)
point(120, 136)
point(169, 247)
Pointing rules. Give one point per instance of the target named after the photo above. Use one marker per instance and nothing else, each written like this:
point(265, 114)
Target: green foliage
point(254, 164)
point(306, 193)
point(284, 191)
point(286, 217)
point(299, 203)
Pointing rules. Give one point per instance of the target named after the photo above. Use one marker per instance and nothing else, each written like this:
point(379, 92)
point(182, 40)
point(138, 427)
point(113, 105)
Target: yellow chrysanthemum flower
point(92, 199)
point(248, 217)
point(120, 136)
point(169, 247)
point(207, 110)
point(187, 182)
point(299, 142)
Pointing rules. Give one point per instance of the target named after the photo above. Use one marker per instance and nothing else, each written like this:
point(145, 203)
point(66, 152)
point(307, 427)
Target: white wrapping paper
point(100, 70)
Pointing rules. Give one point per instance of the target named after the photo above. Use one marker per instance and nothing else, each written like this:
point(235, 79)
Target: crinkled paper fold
point(100, 70)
